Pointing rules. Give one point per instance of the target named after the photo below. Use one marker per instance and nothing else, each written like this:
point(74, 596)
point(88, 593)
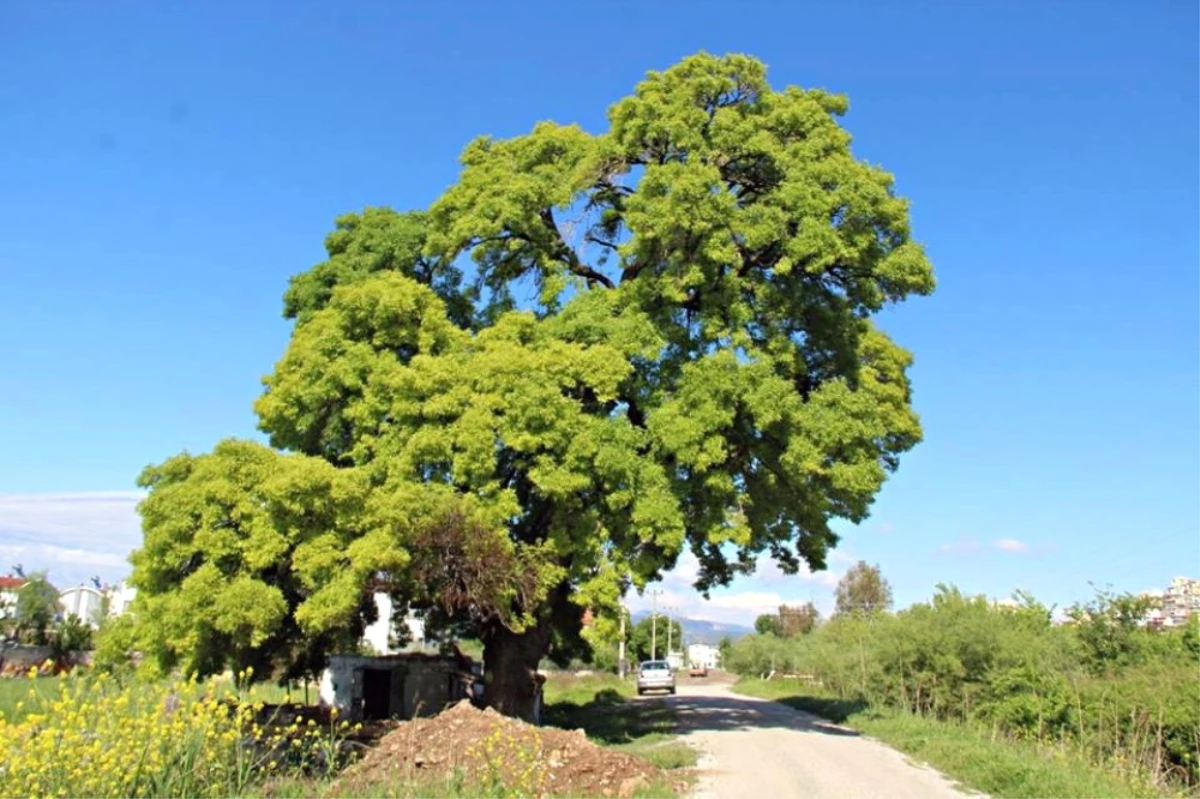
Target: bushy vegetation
point(1123, 696)
point(35, 617)
point(972, 755)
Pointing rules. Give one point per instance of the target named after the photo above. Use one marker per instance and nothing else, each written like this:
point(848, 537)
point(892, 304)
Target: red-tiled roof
point(10, 583)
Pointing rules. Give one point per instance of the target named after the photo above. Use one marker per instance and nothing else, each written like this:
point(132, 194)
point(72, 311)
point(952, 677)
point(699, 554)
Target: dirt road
point(755, 748)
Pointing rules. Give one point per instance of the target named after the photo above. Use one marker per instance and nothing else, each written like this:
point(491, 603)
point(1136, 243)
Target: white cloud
point(963, 546)
point(746, 598)
point(72, 535)
point(1010, 545)
point(971, 546)
point(838, 556)
point(768, 572)
point(886, 527)
point(727, 607)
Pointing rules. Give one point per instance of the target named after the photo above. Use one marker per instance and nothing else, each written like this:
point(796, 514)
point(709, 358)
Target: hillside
point(701, 631)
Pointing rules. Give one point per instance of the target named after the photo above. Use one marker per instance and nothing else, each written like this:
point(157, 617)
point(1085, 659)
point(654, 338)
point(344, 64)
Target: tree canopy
point(37, 609)
point(767, 623)
point(863, 589)
point(594, 352)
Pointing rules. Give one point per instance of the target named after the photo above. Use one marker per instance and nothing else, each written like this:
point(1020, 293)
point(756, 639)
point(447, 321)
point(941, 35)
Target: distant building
point(9, 586)
point(705, 655)
point(120, 596)
point(83, 602)
point(1180, 601)
point(1175, 605)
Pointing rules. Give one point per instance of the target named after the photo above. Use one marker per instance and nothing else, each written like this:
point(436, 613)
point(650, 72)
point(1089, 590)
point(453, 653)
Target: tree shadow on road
point(731, 712)
point(610, 719)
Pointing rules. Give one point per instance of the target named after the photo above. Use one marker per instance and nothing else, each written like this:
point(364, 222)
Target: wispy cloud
point(1013, 546)
point(886, 527)
point(769, 573)
point(1010, 545)
point(72, 535)
point(963, 546)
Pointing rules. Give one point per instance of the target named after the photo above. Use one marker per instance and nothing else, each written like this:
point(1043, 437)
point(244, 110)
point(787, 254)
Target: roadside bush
point(1123, 695)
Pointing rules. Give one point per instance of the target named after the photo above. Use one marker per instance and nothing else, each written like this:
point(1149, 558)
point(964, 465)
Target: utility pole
point(621, 644)
point(654, 624)
point(669, 631)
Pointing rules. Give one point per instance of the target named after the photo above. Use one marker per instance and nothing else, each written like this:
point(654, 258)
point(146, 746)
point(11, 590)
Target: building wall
point(83, 602)
point(421, 685)
point(8, 604)
point(119, 598)
point(704, 654)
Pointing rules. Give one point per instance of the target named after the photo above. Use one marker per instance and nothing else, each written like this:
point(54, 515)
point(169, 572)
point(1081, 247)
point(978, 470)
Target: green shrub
point(1116, 692)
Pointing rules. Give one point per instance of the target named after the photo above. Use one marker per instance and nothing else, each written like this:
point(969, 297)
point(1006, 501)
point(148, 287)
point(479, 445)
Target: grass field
point(974, 757)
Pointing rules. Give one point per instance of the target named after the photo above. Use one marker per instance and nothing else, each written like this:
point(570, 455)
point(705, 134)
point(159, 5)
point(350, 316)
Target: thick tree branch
point(569, 256)
point(606, 244)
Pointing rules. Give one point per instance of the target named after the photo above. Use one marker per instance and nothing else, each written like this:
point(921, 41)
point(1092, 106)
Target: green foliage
point(759, 655)
point(697, 370)
point(1117, 693)
point(863, 589)
point(968, 753)
point(37, 609)
point(797, 619)
point(646, 631)
point(252, 558)
point(767, 623)
point(71, 635)
point(1108, 629)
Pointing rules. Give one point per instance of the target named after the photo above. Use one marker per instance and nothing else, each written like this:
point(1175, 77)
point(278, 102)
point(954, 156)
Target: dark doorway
point(377, 694)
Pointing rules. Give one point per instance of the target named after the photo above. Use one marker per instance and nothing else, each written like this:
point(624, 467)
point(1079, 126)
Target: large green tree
point(594, 352)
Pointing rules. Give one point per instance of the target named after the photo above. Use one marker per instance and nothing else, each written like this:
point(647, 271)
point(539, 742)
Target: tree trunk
point(510, 662)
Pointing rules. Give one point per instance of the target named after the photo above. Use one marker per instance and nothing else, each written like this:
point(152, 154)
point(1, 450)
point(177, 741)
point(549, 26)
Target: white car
point(655, 675)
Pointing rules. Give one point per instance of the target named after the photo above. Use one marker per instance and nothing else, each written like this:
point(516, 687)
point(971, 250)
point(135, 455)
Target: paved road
point(756, 748)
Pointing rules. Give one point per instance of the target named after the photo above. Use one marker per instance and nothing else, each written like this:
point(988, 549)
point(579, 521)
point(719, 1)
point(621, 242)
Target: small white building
point(366, 688)
point(120, 596)
point(83, 602)
point(705, 655)
point(9, 586)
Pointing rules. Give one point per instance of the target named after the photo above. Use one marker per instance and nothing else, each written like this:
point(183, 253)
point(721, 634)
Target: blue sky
point(169, 165)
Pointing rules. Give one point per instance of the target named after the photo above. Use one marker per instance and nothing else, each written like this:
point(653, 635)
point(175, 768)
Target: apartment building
point(1181, 600)
point(1175, 605)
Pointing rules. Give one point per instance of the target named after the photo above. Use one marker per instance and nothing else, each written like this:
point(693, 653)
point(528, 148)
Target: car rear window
point(654, 665)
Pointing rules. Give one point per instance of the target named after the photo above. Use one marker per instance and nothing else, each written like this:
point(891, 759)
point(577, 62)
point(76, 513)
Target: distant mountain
point(699, 631)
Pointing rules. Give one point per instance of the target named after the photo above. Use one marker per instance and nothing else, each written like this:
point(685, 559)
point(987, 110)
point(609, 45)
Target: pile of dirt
point(482, 746)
